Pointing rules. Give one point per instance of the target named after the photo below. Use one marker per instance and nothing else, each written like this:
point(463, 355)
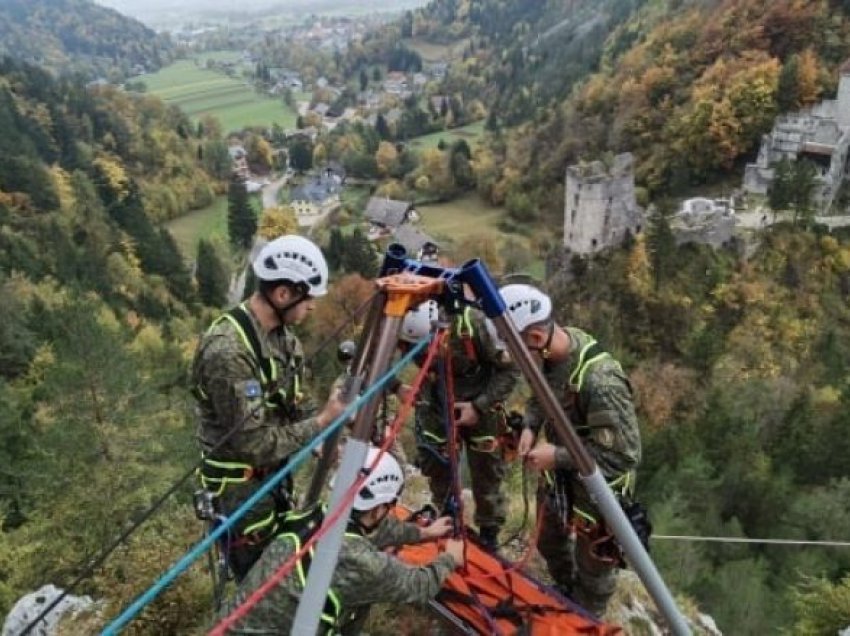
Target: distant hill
point(79, 36)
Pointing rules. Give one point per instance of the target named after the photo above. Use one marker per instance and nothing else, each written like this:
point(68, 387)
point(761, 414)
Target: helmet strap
point(301, 294)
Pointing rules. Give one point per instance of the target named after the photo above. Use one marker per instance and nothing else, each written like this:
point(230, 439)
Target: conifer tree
point(241, 219)
point(211, 275)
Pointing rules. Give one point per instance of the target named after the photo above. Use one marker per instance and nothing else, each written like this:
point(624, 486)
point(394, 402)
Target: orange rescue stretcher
point(492, 597)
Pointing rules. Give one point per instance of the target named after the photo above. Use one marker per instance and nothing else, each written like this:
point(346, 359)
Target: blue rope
point(165, 580)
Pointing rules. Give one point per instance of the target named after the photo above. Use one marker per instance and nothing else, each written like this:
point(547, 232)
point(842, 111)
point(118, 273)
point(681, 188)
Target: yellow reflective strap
point(577, 376)
point(247, 343)
point(222, 482)
point(434, 437)
point(296, 389)
point(262, 523)
point(464, 323)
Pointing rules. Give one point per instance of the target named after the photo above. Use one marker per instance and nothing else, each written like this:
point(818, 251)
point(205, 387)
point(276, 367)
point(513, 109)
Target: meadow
point(199, 91)
point(470, 133)
point(469, 217)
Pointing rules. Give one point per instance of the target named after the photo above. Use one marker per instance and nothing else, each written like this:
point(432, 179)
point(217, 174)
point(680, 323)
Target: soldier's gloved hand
point(332, 409)
point(439, 528)
point(455, 548)
point(465, 414)
point(526, 442)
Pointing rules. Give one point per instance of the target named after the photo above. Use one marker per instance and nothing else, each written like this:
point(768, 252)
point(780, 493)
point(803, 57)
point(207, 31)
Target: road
point(271, 190)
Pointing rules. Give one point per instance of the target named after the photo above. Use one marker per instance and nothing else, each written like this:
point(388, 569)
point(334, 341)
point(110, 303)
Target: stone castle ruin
point(600, 208)
point(820, 134)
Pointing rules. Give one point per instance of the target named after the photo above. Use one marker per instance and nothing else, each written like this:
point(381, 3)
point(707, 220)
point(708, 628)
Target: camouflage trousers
point(587, 580)
point(487, 469)
point(260, 522)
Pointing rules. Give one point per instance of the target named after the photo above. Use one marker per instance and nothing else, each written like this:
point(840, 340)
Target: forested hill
point(521, 55)
point(689, 86)
point(79, 36)
point(97, 322)
point(85, 176)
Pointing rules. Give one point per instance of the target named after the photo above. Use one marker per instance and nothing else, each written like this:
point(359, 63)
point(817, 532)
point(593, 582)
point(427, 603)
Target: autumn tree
point(277, 221)
point(385, 157)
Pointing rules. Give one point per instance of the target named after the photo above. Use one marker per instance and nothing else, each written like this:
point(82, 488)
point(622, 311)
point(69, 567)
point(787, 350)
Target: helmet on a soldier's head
point(383, 485)
point(418, 321)
point(526, 305)
point(295, 259)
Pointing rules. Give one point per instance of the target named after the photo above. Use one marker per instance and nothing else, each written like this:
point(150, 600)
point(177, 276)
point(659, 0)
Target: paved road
point(271, 190)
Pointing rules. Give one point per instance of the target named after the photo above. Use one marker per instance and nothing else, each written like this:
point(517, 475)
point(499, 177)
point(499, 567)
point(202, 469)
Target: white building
point(820, 134)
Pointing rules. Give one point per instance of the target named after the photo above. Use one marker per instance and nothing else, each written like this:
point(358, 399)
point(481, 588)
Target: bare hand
point(438, 528)
point(455, 548)
point(542, 457)
point(332, 409)
point(403, 392)
point(465, 414)
point(526, 442)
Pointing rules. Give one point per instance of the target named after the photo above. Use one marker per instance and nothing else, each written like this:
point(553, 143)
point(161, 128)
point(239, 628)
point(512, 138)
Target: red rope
point(286, 568)
point(452, 439)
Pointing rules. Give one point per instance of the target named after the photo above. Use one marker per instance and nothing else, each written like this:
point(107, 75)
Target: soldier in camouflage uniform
point(364, 574)
point(246, 374)
point(484, 377)
point(596, 396)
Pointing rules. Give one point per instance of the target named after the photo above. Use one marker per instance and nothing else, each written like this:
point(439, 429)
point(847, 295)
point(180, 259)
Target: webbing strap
point(238, 316)
point(590, 354)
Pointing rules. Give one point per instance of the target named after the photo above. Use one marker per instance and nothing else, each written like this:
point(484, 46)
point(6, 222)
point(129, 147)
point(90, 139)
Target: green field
point(206, 223)
point(198, 91)
point(470, 216)
point(470, 133)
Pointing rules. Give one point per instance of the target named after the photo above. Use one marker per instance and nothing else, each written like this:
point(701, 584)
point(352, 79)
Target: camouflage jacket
point(601, 411)
point(228, 377)
point(488, 375)
point(364, 575)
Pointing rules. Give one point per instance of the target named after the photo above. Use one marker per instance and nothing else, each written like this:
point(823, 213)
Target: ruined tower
point(600, 206)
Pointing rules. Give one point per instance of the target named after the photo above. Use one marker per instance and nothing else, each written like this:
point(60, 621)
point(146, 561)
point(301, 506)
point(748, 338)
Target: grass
point(206, 223)
point(471, 133)
point(469, 216)
point(199, 91)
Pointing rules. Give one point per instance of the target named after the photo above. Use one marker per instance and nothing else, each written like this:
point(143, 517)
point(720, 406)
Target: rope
point(286, 568)
point(447, 379)
point(152, 592)
point(107, 552)
point(671, 537)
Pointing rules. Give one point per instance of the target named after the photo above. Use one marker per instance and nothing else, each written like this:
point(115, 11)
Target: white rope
point(670, 537)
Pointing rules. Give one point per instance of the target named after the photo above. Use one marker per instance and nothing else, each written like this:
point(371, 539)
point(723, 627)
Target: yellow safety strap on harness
point(463, 326)
point(596, 353)
point(219, 474)
point(331, 620)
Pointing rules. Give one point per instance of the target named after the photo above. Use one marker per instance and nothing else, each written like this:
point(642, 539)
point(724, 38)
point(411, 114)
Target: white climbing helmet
point(383, 485)
point(418, 321)
point(296, 259)
point(526, 305)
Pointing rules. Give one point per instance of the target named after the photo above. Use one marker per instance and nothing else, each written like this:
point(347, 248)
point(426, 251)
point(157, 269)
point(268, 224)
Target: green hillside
point(199, 91)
